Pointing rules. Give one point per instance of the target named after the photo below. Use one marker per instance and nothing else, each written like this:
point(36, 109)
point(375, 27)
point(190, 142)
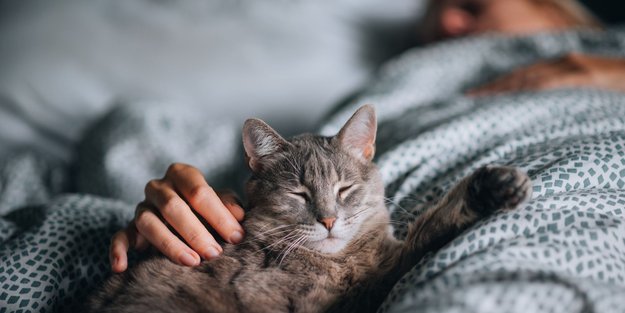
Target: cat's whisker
point(293, 234)
point(391, 201)
point(390, 223)
point(288, 239)
point(294, 245)
point(373, 232)
point(269, 233)
point(263, 230)
point(264, 237)
point(276, 230)
point(420, 202)
point(283, 251)
point(285, 235)
point(361, 212)
point(356, 215)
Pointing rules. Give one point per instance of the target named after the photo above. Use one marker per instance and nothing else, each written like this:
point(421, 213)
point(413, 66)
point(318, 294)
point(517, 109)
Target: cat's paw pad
point(494, 188)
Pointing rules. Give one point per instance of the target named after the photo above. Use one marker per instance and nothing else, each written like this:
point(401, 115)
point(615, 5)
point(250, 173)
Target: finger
point(141, 243)
point(191, 183)
point(500, 85)
point(118, 251)
point(153, 229)
point(522, 79)
point(136, 239)
point(180, 216)
point(506, 82)
point(563, 82)
point(552, 75)
point(232, 203)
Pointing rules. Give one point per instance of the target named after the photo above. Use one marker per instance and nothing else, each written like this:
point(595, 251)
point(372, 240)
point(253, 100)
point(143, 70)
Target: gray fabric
point(136, 143)
point(562, 252)
point(29, 179)
point(66, 62)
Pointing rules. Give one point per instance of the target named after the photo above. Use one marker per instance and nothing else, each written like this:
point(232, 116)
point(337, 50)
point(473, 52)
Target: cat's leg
point(487, 190)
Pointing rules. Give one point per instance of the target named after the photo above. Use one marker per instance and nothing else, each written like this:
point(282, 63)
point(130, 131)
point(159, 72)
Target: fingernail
point(236, 237)
point(188, 259)
point(212, 253)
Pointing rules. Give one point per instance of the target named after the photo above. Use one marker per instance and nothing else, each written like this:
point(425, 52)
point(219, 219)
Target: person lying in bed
point(447, 19)
point(183, 194)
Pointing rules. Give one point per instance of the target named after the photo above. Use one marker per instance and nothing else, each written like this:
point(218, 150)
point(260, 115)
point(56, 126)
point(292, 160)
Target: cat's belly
point(277, 290)
point(304, 283)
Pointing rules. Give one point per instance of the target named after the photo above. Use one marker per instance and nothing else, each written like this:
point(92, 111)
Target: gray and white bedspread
point(564, 251)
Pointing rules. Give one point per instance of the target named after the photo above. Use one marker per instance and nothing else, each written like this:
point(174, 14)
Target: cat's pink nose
point(328, 222)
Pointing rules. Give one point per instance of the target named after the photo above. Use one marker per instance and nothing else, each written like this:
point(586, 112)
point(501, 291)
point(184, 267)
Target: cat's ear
point(259, 142)
point(358, 134)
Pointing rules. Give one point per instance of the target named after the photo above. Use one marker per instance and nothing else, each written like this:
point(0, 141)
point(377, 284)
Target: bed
point(563, 251)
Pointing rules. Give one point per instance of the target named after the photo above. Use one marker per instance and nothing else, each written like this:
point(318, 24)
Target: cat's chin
point(329, 245)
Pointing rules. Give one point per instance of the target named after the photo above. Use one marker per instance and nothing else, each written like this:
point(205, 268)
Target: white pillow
point(66, 62)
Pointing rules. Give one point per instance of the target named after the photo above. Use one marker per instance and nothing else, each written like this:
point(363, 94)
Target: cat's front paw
point(492, 188)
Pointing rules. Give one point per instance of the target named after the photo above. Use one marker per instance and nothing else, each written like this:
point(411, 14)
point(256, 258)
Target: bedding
point(563, 251)
point(66, 63)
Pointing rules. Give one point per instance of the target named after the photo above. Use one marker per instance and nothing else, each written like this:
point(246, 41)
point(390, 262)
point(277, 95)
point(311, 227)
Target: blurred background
point(65, 63)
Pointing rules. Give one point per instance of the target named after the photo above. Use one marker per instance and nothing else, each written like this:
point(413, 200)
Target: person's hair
point(574, 12)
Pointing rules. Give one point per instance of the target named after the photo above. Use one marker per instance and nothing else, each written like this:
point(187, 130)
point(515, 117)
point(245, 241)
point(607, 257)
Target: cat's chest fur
point(304, 281)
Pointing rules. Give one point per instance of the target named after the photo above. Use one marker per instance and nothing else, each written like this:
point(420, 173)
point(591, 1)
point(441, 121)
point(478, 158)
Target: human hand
point(572, 70)
point(172, 201)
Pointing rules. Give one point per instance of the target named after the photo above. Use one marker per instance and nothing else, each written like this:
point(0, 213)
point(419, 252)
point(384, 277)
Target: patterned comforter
point(564, 251)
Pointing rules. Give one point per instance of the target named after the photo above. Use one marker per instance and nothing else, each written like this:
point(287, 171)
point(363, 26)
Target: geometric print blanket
point(562, 251)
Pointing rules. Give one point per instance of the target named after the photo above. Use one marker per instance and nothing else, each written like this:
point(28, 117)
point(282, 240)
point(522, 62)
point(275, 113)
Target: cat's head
point(313, 190)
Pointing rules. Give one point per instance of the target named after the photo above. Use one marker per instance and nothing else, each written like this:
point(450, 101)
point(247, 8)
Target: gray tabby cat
point(318, 237)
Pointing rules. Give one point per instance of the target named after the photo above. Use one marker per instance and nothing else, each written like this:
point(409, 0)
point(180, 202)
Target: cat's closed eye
point(301, 196)
point(343, 191)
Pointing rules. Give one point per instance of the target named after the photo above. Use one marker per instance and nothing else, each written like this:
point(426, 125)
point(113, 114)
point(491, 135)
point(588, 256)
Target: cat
point(318, 232)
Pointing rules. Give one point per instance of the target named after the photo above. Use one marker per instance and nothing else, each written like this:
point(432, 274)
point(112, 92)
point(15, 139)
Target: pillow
point(65, 62)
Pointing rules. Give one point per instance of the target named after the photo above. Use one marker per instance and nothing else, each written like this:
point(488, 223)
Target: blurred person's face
point(457, 18)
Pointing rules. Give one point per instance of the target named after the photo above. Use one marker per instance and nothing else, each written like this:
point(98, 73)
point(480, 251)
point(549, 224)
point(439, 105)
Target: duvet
point(563, 251)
